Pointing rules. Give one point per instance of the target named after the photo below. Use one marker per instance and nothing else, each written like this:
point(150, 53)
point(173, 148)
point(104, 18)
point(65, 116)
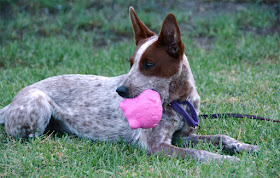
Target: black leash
point(228, 115)
point(193, 121)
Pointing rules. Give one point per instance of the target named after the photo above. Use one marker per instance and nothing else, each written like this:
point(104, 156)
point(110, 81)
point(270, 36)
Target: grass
point(234, 56)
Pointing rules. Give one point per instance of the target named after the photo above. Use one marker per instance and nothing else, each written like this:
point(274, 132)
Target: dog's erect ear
point(139, 29)
point(170, 36)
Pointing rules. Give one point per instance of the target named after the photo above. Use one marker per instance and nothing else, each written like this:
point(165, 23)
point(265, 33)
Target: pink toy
point(143, 111)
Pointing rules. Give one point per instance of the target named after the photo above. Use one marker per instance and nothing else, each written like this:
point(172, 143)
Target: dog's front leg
point(228, 143)
point(200, 155)
point(158, 141)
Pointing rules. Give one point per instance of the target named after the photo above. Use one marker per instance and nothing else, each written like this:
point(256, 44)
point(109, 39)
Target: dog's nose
point(122, 91)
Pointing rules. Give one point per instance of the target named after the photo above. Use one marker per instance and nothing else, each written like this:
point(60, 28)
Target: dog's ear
point(170, 37)
point(139, 28)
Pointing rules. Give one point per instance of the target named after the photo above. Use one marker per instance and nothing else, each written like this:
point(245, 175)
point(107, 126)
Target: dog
point(88, 105)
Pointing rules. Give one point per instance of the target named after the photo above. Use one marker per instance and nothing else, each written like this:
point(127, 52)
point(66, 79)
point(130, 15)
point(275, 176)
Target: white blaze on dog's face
point(157, 60)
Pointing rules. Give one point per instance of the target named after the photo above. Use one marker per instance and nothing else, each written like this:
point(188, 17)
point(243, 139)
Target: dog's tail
point(234, 115)
point(2, 111)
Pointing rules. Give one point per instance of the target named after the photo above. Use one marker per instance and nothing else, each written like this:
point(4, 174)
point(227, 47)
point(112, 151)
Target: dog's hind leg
point(29, 114)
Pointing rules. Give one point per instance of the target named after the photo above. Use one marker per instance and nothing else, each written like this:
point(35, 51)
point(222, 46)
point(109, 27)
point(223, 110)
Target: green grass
point(234, 56)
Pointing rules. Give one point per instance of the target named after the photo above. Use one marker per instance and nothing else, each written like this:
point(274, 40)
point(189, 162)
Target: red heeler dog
point(88, 105)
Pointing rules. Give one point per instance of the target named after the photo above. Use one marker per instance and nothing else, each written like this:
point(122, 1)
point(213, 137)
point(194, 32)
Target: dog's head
point(158, 62)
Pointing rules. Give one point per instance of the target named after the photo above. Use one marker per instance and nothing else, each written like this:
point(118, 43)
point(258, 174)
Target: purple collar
point(191, 120)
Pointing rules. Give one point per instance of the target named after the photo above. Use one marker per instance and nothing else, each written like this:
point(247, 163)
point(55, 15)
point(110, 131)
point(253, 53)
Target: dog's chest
point(172, 120)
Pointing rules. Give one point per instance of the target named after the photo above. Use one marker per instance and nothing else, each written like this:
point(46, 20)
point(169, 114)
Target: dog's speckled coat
point(88, 105)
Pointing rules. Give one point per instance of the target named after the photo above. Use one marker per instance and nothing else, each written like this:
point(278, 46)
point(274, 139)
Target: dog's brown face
point(158, 62)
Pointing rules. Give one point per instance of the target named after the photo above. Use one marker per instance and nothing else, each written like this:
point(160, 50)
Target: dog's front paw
point(231, 159)
point(248, 148)
point(252, 148)
point(213, 157)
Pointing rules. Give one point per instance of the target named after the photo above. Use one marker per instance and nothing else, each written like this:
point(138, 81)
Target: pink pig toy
point(143, 111)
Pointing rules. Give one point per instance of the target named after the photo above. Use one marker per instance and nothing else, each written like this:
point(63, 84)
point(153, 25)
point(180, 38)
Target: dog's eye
point(148, 65)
